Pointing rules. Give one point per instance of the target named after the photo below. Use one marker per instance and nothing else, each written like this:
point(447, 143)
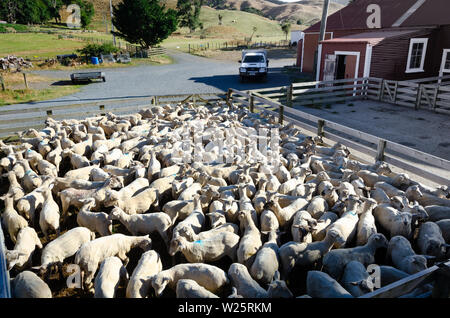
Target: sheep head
point(413, 193)
point(111, 198)
point(159, 283)
point(378, 240)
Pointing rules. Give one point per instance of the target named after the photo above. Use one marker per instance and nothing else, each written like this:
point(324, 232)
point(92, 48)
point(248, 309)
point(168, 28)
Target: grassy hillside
point(308, 11)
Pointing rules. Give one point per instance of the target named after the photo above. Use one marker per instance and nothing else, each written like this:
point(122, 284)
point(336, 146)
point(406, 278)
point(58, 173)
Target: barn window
point(446, 61)
point(416, 55)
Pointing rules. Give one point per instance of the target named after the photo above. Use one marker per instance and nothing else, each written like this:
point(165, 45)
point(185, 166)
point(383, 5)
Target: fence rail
point(12, 121)
point(379, 149)
point(235, 45)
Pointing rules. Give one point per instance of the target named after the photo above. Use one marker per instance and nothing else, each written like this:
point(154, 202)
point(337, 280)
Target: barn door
point(350, 66)
point(329, 67)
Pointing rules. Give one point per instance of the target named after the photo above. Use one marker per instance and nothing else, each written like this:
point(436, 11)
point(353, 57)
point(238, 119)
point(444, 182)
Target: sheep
point(389, 189)
point(210, 277)
point(49, 216)
point(83, 173)
point(207, 250)
point(250, 241)
point(188, 194)
point(137, 204)
point(302, 226)
point(266, 261)
point(178, 210)
point(444, 225)
point(278, 288)
point(321, 285)
point(269, 221)
point(380, 196)
point(109, 276)
point(195, 221)
point(260, 198)
point(95, 221)
point(431, 242)
point(317, 207)
point(403, 256)
point(191, 236)
point(139, 284)
point(285, 215)
point(143, 223)
point(77, 161)
point(413, 193)
point(366, 224)
point(356, 280)
point(437, 212)
point(92, 253)
point(389, 274)
point(394, 221)
point(188, 288)
point(63, 247)
point(346, 225)
point(323, 223)
point(15, 189)
point(75, 197)
point(12, 221)
point(20, 256)
point(244, 283)
point(335, 260)
point(311, 255)
point(28, 285)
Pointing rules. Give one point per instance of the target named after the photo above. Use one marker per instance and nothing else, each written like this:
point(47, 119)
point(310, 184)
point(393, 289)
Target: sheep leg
point(124, 258)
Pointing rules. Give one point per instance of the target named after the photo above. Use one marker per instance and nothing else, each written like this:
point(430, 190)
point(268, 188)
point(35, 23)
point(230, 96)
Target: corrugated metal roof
point(372, 38)
point(354, 16)
point(432, 12)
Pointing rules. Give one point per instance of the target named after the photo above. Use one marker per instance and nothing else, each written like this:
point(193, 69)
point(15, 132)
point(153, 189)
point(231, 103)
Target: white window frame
point(445, 53)
point(424, 41)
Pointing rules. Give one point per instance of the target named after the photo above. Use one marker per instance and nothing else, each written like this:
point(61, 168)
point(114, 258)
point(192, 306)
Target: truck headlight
point(262, 69)
point(242, 69)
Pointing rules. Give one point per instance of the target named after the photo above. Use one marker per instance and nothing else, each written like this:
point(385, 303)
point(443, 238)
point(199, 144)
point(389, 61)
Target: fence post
point(320, 126)
point(289, 93)
point(380, 150)
point(436, 94)
point(281, 114)
point(49, 112)
point(102, 107)
point(252, 103)
point(189, 49)
point(418, 97)
point(194, 99)
point(2, 82)
point(395, 92)
point(25, 80)
point(382, 90)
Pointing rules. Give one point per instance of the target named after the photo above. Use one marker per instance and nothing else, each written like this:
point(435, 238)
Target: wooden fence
point(379, 149)
point(430, 93)
point(12, 121)
point(235, 45)
point(5, 291)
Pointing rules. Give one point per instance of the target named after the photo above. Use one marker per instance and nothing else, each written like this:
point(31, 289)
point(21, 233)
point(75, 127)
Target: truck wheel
point(104, 79)
point(264, 78)
point(242, 79)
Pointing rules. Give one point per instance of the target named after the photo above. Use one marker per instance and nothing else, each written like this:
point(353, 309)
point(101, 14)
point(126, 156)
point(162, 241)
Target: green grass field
point(36, 45)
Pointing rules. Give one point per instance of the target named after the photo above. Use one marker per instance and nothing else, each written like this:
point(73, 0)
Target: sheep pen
point(215, 193)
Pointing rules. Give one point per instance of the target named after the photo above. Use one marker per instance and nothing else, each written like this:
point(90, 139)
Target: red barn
point(390, 39)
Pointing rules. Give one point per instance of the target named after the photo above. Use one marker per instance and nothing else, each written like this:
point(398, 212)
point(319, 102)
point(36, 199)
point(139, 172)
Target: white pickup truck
point(254, 64)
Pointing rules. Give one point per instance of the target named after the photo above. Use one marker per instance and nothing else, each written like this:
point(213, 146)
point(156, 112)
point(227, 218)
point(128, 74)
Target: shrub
point(91, 50)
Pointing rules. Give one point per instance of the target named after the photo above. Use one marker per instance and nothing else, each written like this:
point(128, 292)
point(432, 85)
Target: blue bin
point(94, 60)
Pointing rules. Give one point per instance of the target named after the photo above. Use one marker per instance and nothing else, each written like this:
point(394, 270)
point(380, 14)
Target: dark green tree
point(189, 13)
point(144, 22)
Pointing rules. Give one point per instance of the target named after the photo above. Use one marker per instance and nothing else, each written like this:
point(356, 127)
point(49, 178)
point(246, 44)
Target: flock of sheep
point(112, 195)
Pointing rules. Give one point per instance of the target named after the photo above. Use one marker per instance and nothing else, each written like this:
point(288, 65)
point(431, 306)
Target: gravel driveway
point(188, 74)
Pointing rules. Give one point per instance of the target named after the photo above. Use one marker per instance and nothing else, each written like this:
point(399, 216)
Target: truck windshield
point(254, 59)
